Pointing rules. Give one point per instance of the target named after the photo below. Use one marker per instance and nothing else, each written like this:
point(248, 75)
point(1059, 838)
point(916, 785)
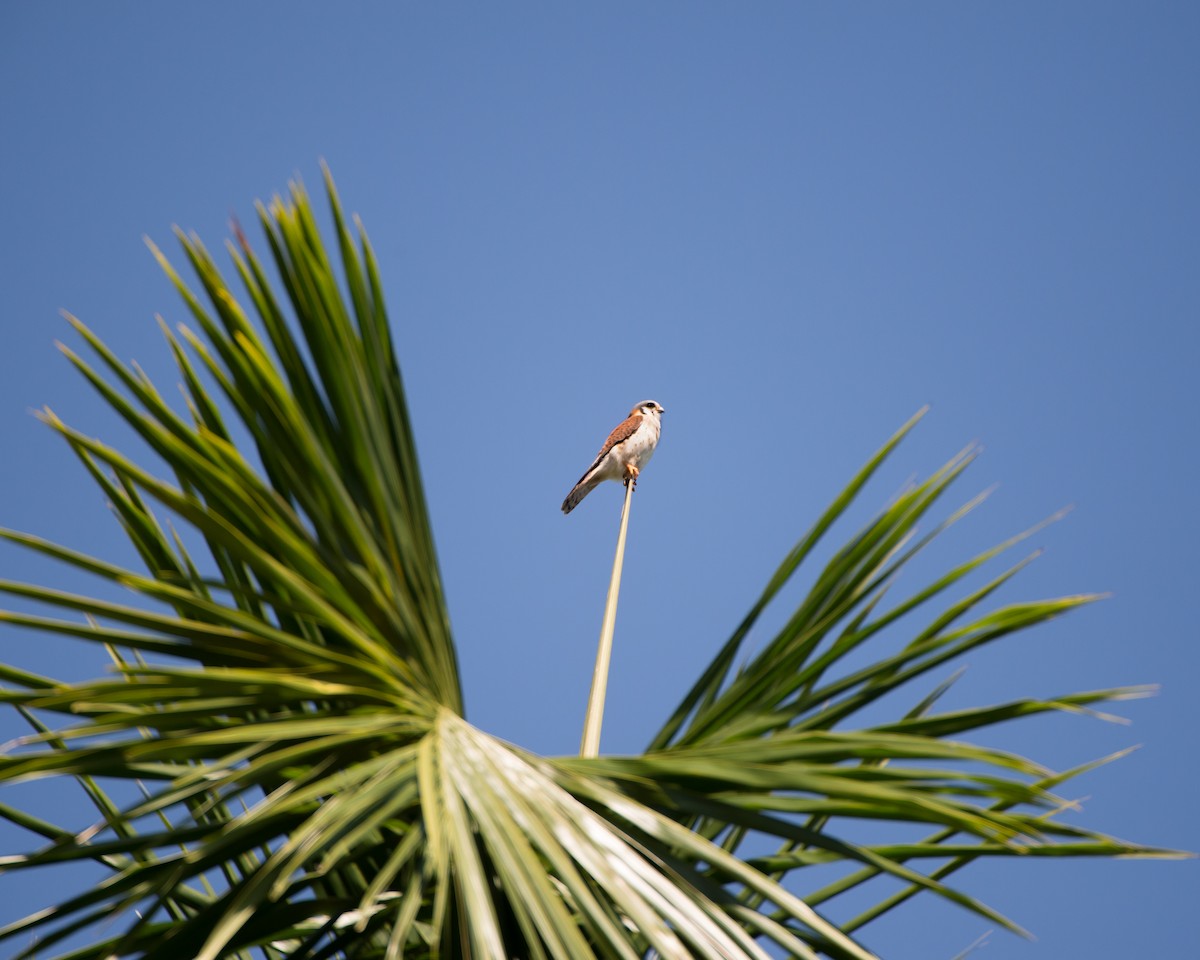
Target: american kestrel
point(625, 452)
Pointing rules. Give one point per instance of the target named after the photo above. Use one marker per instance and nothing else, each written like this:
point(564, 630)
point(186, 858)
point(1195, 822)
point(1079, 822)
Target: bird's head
point(648, 408)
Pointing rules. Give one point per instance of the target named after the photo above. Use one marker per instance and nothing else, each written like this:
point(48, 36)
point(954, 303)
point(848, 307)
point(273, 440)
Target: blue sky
point(791, 224)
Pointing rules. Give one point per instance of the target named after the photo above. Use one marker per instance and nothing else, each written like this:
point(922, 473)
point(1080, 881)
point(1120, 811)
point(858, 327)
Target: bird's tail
point(582, 489)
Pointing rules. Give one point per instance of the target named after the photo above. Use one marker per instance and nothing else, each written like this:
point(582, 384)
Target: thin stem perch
point(590, 745)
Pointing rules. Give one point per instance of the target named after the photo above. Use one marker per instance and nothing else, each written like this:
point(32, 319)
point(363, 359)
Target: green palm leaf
point(285, 703)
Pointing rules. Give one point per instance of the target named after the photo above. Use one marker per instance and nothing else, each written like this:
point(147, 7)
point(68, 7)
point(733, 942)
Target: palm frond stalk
point(278, 758)
point(590, 743)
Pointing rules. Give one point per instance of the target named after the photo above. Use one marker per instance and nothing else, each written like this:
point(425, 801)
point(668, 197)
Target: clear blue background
point(792, 225)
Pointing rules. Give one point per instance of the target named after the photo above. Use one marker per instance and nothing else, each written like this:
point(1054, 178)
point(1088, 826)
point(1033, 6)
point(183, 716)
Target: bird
point(626, 451)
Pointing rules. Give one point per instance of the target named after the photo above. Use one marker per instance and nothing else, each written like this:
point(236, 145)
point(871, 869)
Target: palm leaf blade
point(285, 703)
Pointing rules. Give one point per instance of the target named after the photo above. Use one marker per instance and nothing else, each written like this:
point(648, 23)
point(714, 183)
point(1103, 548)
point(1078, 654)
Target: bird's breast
point(640, 447)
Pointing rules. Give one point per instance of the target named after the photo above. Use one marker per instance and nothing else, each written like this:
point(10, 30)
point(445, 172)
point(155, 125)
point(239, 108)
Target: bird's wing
point(625, 429)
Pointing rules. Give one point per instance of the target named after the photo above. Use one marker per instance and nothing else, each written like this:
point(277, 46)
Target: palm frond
point(286, 769)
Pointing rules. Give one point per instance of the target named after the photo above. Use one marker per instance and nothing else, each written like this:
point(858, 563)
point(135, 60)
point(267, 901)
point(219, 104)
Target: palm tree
point(285, 765)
